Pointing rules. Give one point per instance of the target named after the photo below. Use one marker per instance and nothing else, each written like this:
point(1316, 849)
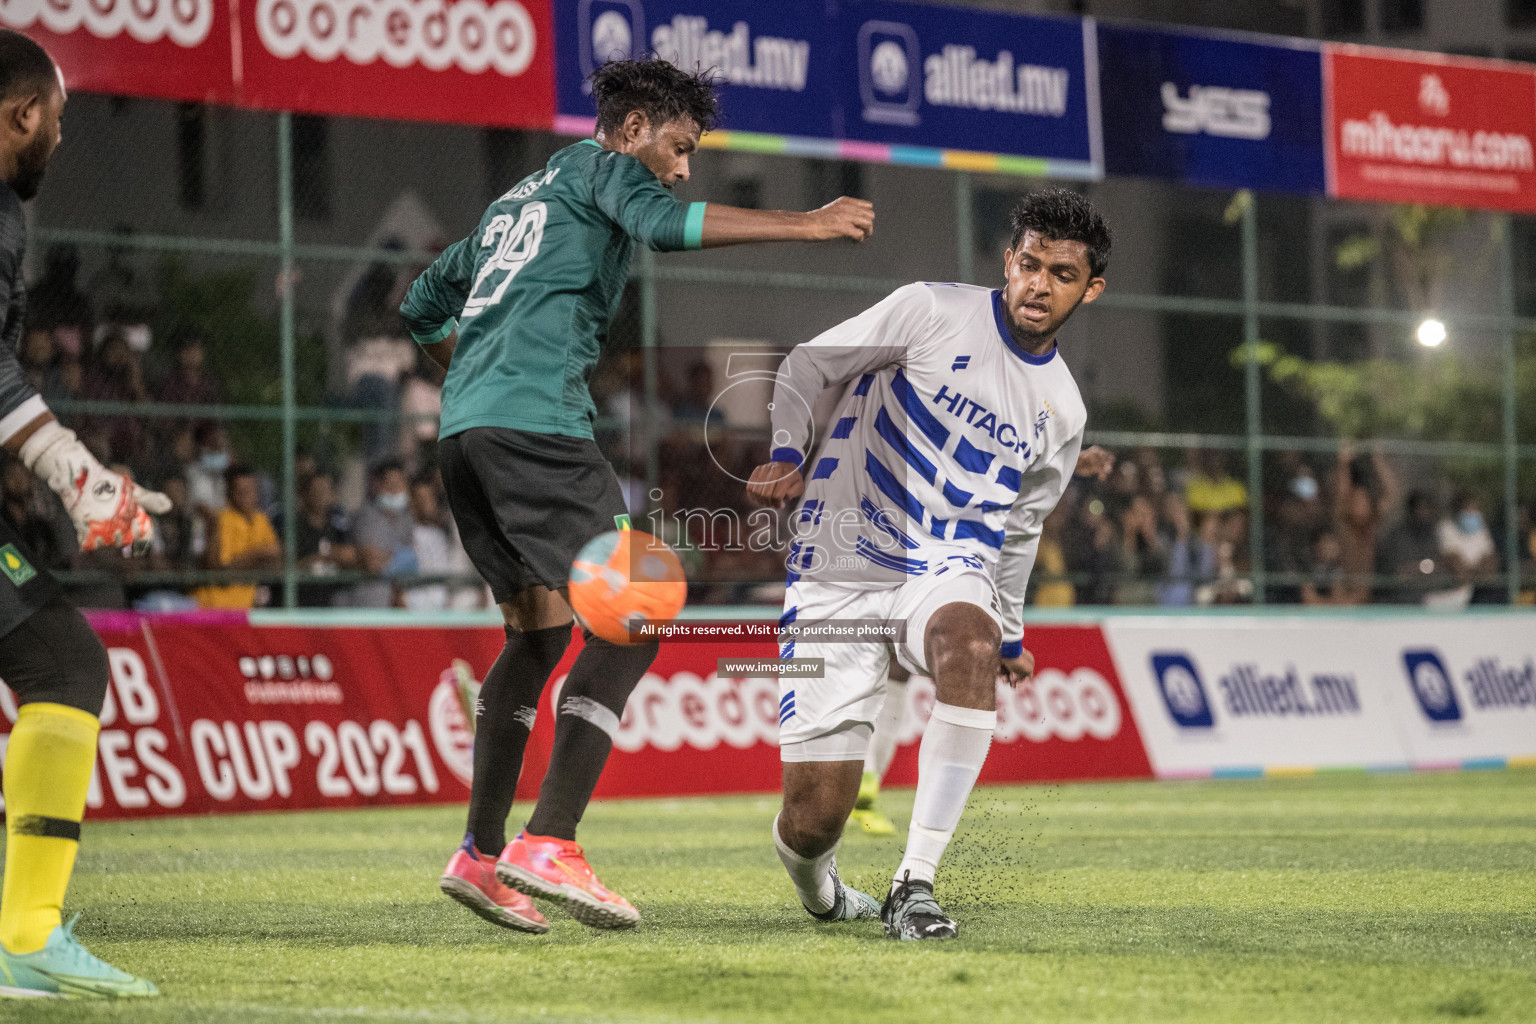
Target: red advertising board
point(1427, 128)
point(485, 62)
point(209, 714)
point(168, 49)
point(1071, 721)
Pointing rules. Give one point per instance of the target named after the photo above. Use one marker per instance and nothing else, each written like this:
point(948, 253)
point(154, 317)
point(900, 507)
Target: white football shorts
point(832, 718)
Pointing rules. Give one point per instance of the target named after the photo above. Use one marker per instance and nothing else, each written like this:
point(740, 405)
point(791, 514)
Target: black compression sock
point(591, 704)
point(509, 699)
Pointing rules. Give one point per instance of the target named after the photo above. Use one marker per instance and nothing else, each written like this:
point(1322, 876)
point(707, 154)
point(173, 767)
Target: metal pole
point(965, 229)
point(1505, 231)
point(287, 331)
point(1252, 394)
point(652, 377)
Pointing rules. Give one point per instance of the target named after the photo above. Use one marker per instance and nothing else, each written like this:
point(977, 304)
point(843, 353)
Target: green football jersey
point(533, 290)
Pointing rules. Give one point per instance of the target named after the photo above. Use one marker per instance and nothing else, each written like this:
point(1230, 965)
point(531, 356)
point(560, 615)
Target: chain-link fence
point(215, 289)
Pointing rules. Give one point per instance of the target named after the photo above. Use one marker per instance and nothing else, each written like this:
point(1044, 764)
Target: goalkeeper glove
point(108, 509)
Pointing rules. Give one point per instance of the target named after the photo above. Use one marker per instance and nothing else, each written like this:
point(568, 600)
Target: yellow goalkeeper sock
point(47, 771)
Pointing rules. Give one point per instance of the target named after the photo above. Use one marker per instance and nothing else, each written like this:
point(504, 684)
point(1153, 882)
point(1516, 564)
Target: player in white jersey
point(1094, 462)
point(921, 515)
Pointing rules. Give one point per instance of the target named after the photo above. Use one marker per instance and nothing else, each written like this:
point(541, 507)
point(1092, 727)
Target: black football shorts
point(526, 503)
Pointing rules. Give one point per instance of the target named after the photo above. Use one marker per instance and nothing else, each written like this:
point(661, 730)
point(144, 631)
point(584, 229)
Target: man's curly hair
point(1064, 216)
point(659, 90)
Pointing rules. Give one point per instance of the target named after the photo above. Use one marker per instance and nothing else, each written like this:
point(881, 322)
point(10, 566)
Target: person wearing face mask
point(1466, 545)
point(205, 473)
point(386, 535)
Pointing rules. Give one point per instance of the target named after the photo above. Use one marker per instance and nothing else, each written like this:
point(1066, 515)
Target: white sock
point(954, 748)
point(812, 875)
point(882, 745)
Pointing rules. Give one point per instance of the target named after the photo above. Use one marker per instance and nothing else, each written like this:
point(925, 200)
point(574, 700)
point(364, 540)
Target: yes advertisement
point(1240, 695)
point(1212, 110)
point(216, 715)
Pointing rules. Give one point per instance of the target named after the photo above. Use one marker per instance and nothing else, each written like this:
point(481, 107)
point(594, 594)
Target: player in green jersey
point(517, 313)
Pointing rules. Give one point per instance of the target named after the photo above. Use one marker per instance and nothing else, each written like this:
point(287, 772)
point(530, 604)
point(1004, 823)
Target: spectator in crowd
point(421, 405)
point(179, 540)
point(189, 382)
point(1154, 482)
point(375, 365)
point(1329, 584)
point(649, 420)
point(322, 542)
point(172, 456)
point(438, 552)
point(1052, 587)
point(1467, 546)
point(385, 535)
point(1211, 488)
point(1123, 486)
point(1298, 515)
point(240, 538)
point(1094, 552)
point(1190, 560)
point(118, 376)
point(1526, 531)
point(1411, 555)
point(1233, 584)
point(1364, 498)
point(56, 298)
point(36, 356)
point(1145, 553)
point(696, 405)
point(205, 475)
point(54, 374)
point(67, 379)
point(37, 516)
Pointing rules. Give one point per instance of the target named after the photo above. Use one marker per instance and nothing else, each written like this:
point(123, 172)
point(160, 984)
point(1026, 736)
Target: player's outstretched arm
point(842, 218)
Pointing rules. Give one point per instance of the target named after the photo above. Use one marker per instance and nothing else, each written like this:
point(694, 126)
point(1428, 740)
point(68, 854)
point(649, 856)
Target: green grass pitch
point(1340, 897)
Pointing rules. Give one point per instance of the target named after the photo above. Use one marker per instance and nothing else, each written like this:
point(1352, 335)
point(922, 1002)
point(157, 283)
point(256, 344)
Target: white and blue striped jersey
point(950, 445)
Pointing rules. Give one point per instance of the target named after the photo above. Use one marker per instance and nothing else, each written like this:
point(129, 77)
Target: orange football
point(624, 578)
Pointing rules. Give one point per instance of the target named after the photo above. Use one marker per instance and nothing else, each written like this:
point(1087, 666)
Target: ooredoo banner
point(1428, 128)
point(215, 715)
point(170, 49)
point(485, 62)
